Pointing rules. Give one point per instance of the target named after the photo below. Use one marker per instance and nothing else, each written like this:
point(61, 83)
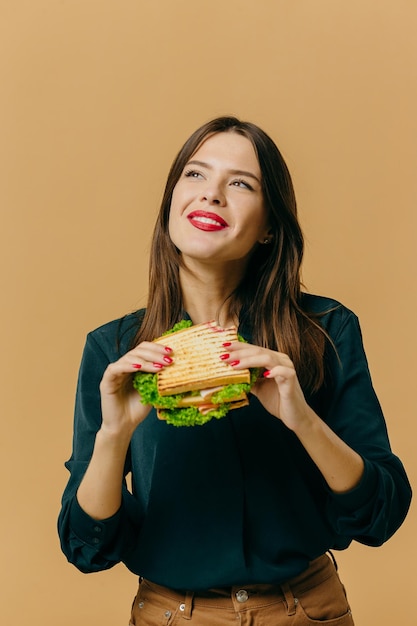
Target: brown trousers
point(315, 596)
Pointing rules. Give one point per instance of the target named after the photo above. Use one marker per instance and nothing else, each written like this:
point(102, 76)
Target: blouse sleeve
point(89, 544)
point(376, 508)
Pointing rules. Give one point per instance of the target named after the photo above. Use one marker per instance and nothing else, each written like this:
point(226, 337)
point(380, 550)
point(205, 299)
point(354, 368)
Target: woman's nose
point(213, 195)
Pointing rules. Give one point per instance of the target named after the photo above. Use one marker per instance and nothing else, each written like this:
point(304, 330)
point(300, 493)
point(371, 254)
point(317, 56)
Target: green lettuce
point(191, 416)
point(178, 326)
point(146, 384)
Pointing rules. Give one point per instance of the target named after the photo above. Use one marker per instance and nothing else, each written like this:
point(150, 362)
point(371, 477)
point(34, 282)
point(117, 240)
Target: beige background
point(96, 98)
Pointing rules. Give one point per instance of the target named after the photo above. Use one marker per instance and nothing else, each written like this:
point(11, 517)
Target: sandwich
point(198, 386)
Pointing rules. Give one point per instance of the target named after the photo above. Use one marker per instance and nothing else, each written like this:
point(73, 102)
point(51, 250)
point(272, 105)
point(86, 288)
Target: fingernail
point(137, 366)
point(167, 359)
point(158, 365)
point(226, 344)
point(266, 374)
point(234, 363)
point(224, 356)
point(167, 349)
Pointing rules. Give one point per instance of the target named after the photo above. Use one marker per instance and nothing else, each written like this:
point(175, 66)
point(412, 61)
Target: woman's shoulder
point(119, 333)
point(330, 313)
point(319, 304)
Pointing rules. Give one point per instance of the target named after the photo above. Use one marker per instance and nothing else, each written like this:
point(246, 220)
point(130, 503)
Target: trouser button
point(242, 595)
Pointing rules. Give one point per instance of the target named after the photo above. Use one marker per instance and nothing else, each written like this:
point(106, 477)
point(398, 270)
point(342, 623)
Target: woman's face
point(217, 209)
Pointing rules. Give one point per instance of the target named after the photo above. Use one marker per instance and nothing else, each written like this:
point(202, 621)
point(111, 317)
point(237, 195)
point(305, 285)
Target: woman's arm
point(341, 466)
point(281, 395)
point(100, 491)
point(96, 534)
point(345, 434)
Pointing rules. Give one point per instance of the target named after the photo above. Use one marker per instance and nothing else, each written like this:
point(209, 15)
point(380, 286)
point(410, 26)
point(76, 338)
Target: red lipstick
point(206, 220)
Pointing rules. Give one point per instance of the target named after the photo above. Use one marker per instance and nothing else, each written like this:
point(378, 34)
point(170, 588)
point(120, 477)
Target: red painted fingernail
point(137, 366)
point(158, 365)
point(234, 363)
point(224, 356)
point(226, 344)
point(167, 349)
point(167, 359)
point(266, 374)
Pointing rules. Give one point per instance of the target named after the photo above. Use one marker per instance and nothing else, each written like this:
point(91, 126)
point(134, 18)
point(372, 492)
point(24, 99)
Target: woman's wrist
point(114, 439)
point(306, 424)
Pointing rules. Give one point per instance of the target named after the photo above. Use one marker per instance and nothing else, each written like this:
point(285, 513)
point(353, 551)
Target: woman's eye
point(242, 183)
point(192, 174)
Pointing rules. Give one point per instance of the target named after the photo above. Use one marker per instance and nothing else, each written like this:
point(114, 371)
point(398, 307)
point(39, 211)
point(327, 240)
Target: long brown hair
point(268, 298)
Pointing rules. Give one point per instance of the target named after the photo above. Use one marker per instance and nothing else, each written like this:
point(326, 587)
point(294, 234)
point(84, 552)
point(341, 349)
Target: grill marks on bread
point(197, 364)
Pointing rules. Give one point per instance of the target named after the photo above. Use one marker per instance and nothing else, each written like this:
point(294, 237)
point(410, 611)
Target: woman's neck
point(205, 291)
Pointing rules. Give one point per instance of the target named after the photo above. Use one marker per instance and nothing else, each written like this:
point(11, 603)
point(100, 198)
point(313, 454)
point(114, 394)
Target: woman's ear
point(267, 238)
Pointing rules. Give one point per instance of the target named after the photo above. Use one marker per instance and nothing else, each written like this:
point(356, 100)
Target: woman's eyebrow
point(233, 172)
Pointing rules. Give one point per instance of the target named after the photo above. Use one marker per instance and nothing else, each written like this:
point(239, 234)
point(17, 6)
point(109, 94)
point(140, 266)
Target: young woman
point(233, 519)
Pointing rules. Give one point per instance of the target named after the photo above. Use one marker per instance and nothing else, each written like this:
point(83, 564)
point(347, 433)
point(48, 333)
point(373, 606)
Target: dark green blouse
point(238, 500)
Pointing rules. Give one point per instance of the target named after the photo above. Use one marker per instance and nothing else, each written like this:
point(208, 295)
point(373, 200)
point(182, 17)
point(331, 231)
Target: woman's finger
point(150, 356)
point(146, 357)
point(240, 355)
point(281, 373)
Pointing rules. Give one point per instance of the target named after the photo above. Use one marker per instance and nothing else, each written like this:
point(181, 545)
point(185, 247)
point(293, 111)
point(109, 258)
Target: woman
point(232, 519)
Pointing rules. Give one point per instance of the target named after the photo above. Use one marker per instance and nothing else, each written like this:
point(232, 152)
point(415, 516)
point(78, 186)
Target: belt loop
point(289, 599)
point(188, 604)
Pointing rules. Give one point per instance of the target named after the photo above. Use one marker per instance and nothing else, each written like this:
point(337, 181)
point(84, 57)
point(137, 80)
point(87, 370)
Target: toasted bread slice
point(197, 364)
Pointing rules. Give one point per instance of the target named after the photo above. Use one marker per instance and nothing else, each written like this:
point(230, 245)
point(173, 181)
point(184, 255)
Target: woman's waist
point(318, 570)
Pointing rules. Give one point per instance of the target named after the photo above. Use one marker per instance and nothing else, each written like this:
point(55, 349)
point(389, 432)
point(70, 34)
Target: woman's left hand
point(278, 389)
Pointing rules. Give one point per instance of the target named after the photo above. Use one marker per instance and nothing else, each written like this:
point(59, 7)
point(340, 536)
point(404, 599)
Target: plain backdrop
point(96, 98)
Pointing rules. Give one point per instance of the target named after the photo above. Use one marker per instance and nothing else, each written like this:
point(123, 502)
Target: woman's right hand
point(122, 409)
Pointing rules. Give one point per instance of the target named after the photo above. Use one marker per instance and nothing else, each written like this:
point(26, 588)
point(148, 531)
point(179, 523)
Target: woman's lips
point(205, 220)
